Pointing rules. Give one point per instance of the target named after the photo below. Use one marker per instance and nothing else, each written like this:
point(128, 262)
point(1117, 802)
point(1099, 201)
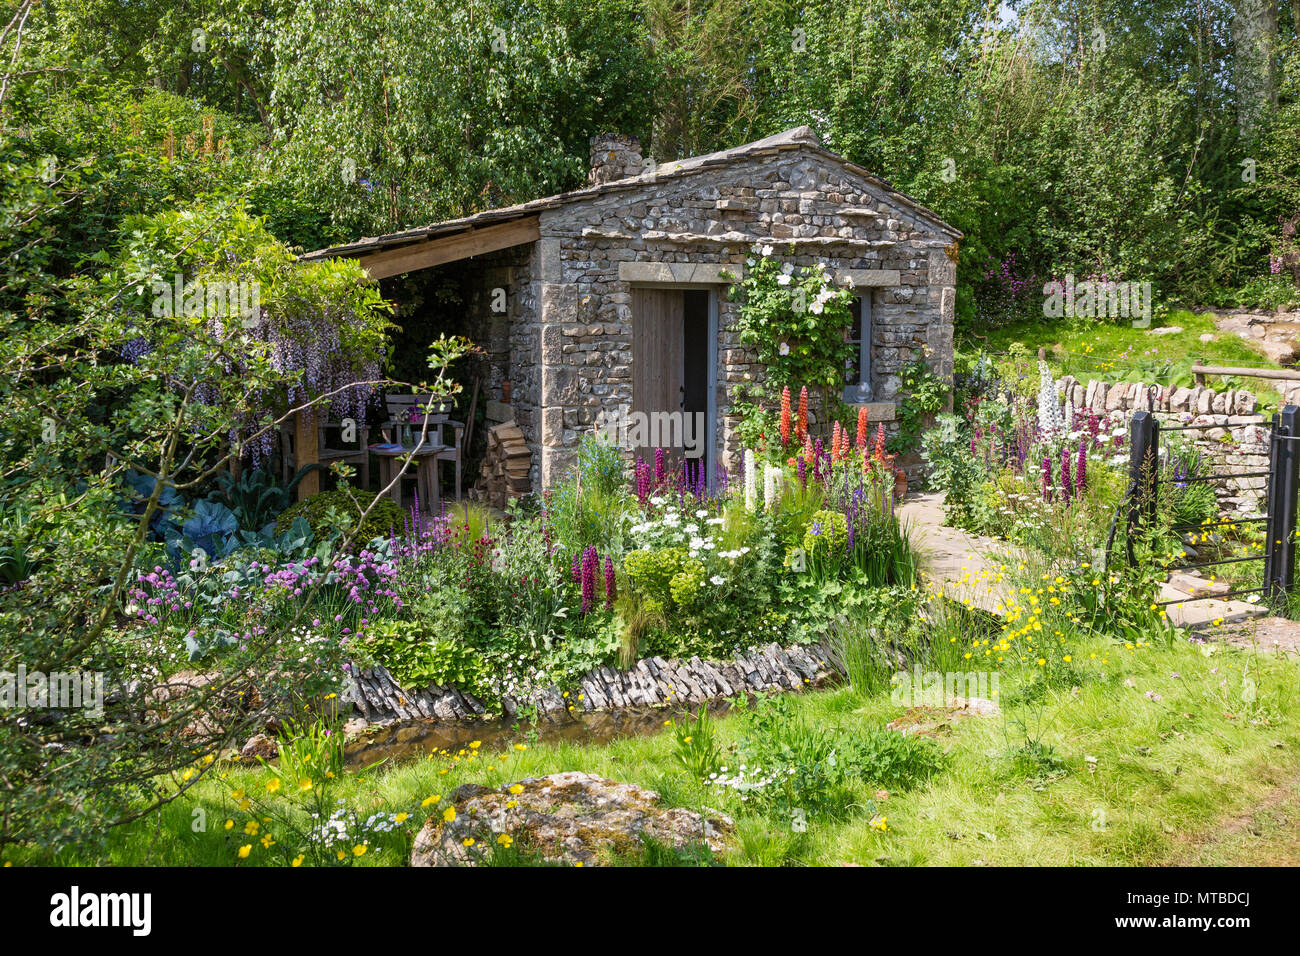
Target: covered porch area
point(467, 280)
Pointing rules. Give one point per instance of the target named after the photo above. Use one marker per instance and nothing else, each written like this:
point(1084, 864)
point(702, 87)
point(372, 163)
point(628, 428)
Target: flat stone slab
point(565, 818)
point(927, 721)
point(1268, 634)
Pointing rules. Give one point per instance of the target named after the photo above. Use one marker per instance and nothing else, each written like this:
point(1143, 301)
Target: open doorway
point(674, 381)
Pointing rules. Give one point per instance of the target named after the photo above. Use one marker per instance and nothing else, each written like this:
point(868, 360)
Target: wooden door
point(657, 355)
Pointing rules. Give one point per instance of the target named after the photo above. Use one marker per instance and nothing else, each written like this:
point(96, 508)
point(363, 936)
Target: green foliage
point(255, 497)
point(310, 752)
point(334, 514)
point(924, 394)
point(826, 536)
point(695, 750)
point(797, 770)
point(450, 108)
point(895, 761)
point(667, 576)
point(416, 656)
point(601, 468)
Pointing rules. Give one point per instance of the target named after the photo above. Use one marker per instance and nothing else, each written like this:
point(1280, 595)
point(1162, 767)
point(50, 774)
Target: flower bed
point(610, 568)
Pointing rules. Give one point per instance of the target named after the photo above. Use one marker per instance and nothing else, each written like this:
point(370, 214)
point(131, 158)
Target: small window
point(857, 367)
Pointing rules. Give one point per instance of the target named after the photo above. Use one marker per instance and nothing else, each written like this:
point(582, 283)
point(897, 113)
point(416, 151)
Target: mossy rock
point(384, 517)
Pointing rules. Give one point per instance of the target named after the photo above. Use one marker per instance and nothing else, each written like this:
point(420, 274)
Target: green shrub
point(336, 512)
point(826, 535)
point(893, 760)
point(416, 659)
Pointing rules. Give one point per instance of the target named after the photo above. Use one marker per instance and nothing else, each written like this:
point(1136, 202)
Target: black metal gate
point(1279, 519)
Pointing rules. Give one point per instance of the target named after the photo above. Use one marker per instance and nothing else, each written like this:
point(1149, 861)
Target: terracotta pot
point(900, 482)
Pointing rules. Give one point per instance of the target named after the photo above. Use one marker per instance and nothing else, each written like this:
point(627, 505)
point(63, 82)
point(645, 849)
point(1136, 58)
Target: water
point(418, 738)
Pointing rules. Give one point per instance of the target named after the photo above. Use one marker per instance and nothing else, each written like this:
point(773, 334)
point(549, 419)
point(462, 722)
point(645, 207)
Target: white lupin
point(1049, 411)
point(751, 481)
point(771, 486)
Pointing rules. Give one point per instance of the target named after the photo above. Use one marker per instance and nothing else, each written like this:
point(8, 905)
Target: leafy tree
point(420, 111)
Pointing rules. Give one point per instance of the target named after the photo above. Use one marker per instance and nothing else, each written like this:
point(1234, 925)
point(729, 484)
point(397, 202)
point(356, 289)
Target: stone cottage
point(613, 296)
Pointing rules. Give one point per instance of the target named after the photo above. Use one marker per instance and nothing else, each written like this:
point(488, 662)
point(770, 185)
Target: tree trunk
point(1254, 40)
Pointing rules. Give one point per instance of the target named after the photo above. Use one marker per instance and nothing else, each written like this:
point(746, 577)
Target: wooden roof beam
point(435, 252)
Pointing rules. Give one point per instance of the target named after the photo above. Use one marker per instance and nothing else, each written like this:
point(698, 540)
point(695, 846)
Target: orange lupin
point(862, 429)
point(802, 427)
point(785, 416)
point(836, 434)
point(880, 443)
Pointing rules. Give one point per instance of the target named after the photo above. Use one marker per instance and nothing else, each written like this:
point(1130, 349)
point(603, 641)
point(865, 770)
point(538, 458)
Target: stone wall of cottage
point(808, 207)
point(509, 337)
point(1237, 443)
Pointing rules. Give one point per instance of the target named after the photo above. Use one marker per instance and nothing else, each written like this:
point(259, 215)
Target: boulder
point(565, 818)
point(1283, 353)
point(258, 745)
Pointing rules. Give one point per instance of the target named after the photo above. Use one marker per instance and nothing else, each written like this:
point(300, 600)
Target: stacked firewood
point(504, 472)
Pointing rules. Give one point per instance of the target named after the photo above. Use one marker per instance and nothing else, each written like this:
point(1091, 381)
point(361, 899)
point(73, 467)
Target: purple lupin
point(588, 580)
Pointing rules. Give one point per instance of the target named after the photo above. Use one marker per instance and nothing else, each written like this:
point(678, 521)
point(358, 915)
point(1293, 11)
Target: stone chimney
point(613, 156)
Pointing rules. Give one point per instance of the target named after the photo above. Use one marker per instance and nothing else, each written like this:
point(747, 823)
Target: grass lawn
point(1121, 353)
point(1157, 756)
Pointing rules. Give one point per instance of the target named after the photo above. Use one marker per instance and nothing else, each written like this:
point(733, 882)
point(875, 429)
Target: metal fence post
point(1271, 510)
point(1144, 436)
point(1282, 527)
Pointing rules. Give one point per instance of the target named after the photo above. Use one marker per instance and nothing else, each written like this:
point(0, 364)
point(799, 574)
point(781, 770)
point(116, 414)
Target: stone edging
point(377, 698)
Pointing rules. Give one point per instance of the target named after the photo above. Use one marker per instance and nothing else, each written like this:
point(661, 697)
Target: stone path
point(967, 567)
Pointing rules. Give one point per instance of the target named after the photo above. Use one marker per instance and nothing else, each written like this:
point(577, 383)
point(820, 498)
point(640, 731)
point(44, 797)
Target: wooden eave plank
point(463, 245)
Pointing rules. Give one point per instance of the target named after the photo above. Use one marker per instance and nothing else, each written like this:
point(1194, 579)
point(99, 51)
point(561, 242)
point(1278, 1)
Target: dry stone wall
point(1237, 444)
point(652, 681)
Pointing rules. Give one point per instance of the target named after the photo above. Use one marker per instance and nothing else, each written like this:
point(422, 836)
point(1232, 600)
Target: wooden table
point(425, 459)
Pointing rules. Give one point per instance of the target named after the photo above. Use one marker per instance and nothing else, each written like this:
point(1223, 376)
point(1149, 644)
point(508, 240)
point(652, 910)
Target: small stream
point(420, 738)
